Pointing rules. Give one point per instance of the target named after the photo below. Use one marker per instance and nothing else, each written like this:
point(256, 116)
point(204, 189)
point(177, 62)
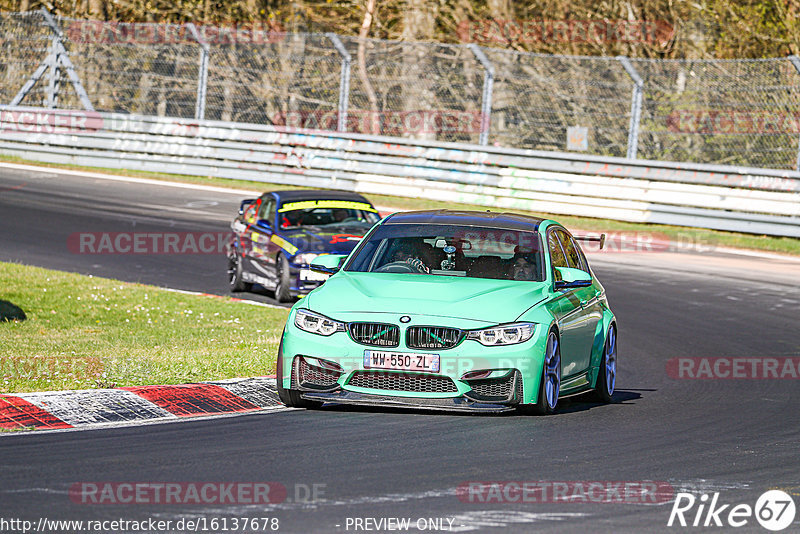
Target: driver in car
point(406, 253)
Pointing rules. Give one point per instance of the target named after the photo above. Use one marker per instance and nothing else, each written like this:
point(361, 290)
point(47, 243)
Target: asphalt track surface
point(735, 437)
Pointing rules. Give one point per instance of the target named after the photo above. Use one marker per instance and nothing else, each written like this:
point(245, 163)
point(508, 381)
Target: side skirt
point(576, 385)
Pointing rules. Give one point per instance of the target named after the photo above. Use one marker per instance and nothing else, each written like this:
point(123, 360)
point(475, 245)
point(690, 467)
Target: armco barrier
point(759, 201)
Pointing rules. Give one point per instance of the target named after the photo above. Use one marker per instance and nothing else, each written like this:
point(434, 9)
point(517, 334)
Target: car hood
point(339, 239)
point(489, 301)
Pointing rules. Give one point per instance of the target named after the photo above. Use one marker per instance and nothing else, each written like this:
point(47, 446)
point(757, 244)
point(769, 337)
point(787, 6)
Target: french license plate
point(401, 361)
point(308, 274)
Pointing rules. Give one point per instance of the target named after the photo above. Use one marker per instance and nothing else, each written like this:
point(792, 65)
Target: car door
point(262, 253)
point(572, 322)
point(587, 299)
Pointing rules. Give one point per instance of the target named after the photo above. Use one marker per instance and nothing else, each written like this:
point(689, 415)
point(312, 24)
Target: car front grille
point(375, 334)
point(433, 337)
point(415, 383)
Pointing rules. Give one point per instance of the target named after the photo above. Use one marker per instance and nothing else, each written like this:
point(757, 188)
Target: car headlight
point(505, 334)
point(306, 258)
point(315, 323)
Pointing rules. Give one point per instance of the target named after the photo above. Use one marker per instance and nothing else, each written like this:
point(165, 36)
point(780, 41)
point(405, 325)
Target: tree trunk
point(418, 25)
point(499, 9)
point(97, 9)
point(363, 33)
point(419, 21)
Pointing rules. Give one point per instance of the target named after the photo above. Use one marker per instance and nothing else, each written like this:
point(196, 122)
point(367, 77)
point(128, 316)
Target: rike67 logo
point(774, 510)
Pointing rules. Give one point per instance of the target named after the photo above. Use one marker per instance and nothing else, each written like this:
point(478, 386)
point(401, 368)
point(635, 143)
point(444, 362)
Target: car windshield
point(325, 213)
point(469, 251)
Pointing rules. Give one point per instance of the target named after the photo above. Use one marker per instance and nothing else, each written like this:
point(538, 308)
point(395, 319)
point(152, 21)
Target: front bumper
point(462, 403)
point(331, 369)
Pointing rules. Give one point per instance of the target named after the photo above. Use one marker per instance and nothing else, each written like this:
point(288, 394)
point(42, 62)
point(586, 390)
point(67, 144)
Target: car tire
point(235, 280)
point(290, 397)
point(550, 384)
point(282, 293)
point(607, 373)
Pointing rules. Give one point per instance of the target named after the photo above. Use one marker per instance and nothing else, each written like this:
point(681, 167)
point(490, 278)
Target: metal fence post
point(486, 98)
point(636, 106)
point(202, 73)
point(54, 79)
point(796, 63)
point(344, 81)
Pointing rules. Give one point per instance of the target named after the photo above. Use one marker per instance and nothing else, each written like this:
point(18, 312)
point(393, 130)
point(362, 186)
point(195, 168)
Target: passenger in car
point(523, 269)
point(340, 214)
point(524, 265)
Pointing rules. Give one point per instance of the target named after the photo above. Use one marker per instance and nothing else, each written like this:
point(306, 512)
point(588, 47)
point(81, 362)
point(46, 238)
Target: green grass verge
point(17, 429)
point(703, 238)
point(86, 332)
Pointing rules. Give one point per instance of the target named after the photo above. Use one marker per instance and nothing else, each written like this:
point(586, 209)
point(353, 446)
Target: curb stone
point(76, 408)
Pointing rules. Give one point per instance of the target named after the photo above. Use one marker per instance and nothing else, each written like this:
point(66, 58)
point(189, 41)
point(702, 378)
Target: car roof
point(490, 219)
point(317, 194)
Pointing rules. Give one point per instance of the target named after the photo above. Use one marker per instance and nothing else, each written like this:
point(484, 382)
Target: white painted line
point(486, 519)
point(758, 254)
point(463, 522)
point(232, 299)
point(673, 247)
point(129, 179)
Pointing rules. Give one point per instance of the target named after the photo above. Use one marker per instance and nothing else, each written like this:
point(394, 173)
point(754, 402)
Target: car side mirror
point(328, 263)
point(572, 278)
point(263, 223)
point(324, 270)
point(244, 204)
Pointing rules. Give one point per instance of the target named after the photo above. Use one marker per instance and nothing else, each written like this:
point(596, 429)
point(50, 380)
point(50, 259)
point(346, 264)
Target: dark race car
point(276, 237)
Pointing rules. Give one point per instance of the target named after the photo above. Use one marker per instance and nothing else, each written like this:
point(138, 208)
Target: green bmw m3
point(452, 310)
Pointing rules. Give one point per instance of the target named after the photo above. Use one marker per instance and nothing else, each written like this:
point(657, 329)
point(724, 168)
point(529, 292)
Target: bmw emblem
point(405, 319)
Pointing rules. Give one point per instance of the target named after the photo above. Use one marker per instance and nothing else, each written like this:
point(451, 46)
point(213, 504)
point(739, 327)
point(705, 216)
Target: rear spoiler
point(592, 239)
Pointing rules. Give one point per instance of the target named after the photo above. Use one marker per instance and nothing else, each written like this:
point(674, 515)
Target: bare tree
point(362, 64)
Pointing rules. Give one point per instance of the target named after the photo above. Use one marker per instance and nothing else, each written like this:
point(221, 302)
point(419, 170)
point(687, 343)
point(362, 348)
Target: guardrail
point(759, 201)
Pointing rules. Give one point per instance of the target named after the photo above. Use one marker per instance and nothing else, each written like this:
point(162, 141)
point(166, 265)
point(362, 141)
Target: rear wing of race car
point(592, 238)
